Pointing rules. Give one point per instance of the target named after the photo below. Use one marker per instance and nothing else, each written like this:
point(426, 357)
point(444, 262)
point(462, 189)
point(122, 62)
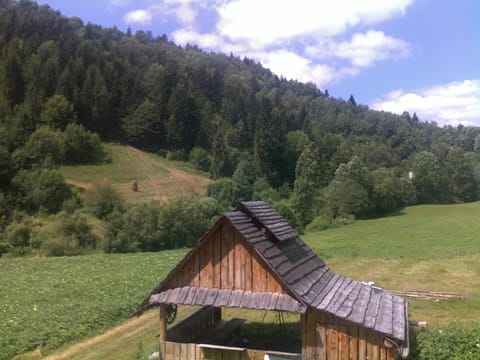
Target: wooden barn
point(252, 259)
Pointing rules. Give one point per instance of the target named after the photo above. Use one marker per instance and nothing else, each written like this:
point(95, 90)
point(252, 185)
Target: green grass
point(157, 178)
point(428, 247)
point(47, 302)
point(419, 232)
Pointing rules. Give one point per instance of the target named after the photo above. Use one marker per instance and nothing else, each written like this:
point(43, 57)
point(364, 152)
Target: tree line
point(66, 85)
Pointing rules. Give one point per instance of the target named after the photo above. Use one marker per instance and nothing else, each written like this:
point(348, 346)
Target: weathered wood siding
point(226, 261)
point(181, 351)
point(327, 337)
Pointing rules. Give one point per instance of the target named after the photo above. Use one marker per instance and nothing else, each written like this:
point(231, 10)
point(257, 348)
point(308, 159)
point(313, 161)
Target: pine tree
point(307, 185)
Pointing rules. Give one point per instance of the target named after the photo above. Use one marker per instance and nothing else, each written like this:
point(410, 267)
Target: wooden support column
point(303, 325)
point(163, 322)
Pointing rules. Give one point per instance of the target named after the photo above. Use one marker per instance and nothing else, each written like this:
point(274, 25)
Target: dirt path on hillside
point(135, 325)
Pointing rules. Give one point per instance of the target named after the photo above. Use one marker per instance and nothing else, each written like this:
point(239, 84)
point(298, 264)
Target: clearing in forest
point(156, 177)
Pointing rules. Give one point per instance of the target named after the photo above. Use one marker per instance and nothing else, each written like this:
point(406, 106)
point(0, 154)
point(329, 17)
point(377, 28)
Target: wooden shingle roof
point(188, 295)
point(311, 281)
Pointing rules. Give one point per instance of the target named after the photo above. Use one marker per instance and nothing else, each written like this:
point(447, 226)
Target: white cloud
point(186, 14)
point(293, 66)
point(267, 22)
point(138, 17)
point(448, 104)
point(276, 33)
point(366, 48)
point(208, 41)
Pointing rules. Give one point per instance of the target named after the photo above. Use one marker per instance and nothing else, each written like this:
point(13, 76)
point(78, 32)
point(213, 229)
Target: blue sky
point(421, 56)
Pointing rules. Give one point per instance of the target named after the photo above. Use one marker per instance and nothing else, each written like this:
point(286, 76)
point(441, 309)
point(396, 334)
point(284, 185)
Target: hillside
point(67, 85)
point(157, 178)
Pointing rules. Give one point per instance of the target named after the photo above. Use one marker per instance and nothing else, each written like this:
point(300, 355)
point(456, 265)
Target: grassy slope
point(424, 247)
point(157, 178)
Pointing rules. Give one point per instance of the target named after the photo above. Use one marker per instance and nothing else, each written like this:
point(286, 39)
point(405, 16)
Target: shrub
point(454, 342)
point(269, 195)
point(82, 146)
point(44, 148)
point(136, 229)
point(151, 227)
point(58, 112)
point(200, 158)
point(325, 220)
point(225, 191)
point(60, 245)
point(41, 189)
point(179, 155)
point(103, 200)
point(287, 213)
point(66, 235)
point(185, 219)
point(17, 236)
point(321, 222)
point(7, 168)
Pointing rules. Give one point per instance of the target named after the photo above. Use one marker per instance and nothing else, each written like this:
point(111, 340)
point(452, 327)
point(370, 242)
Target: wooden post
point(303, 325)
point(163, 322)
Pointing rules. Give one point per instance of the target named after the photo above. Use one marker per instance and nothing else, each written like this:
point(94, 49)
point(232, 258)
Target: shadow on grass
point(272, 336)
point(388, 215)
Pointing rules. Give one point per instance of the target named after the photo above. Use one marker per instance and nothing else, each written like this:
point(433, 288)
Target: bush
point(41, 189)
point(287, 213)
point(225, 191)
point(269, 195)
point(454, 342)
point(66, 235)
point(44, 148)
point(151, 227)
point(135, 230)
point(7, 168)
point(103, 200)
point(326, 221)
point(17, 236)
point(200, 158)
point(179, 155)
point(185, 219)
point(321, 222)
point(58, 112)
point(82, 146)
point(60, 245)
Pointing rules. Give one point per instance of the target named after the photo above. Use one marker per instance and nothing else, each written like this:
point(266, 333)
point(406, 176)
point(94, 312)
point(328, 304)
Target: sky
point(420, 56)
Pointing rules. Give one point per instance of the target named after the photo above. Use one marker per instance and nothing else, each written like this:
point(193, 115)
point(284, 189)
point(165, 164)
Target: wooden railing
point(188, 351)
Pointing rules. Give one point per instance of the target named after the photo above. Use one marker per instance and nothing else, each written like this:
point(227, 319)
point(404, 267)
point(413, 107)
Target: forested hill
point(229, 116)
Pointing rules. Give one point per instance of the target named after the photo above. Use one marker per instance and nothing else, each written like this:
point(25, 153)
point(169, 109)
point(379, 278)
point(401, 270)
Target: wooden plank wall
point(330, 338)
point(226, 261)
point(181, 351)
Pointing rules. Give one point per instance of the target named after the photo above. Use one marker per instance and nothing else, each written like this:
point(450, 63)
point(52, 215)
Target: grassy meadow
point(157, 178)
point(54, 302)
point(426, 247)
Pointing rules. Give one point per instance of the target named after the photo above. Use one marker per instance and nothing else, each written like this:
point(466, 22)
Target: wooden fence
point(180, 351)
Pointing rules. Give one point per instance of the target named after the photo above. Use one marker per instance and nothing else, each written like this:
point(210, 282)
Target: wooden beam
point(163, 322)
